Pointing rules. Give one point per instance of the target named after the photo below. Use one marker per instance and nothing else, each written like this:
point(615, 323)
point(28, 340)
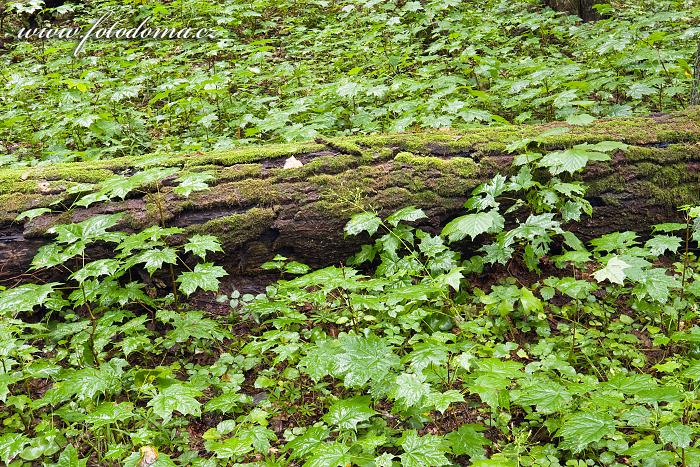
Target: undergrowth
point(536, 349)
point(291, 70)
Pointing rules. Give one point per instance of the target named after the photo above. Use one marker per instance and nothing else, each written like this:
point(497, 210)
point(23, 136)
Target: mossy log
point(259, 209)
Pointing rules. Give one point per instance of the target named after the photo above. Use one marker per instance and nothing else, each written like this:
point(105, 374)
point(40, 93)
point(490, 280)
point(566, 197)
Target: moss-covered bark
point(258, 208)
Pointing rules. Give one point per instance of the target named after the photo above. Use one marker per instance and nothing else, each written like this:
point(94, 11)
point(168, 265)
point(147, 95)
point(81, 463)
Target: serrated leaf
point(11, 444)
point(442, 400)
point(468, 440)
point(308, 441)
point(199, 245)
point(677, 434)
point(192, 182)
point(571, 160)
point(473, 225)
point(25, 297)
point(205, 276)
point(363, 358)
point(347, 413)
point(176, 397)
point(363, 222)
point(409, 213)
point(580, 119)
point(422, 451)
point(409, 389)
point(154, 258)
point(546, 395)
point(613, 272)
point(583, 428)
point(659, 244)
point(329, 455)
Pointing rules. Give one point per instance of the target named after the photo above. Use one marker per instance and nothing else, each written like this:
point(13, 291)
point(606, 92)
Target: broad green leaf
point(31, 214)
point(329, 455)
point(422, 451)
point(583, 428)
point(546, 395)
point(11, 444)
point(571, 160)
point(94, 228)
point(154, 258)
point(176, 397)
point(199, 245)
point(473, 225)
point(677, 434)
point(580, 119)
point(364, 358)
point(409, 213)
point(468, 440)
point(69, 458)
point(347, 413)
point(312, 438)
point(192, 182)
point(363, 222)
point(659, 244)
point(205, 276)
point(614, 271)
point(409, 389)
point(442, 400)
point(25, 297)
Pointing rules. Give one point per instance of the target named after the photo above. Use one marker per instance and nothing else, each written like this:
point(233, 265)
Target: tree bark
point(258, 208)
point(695, 91)
point(581, 8)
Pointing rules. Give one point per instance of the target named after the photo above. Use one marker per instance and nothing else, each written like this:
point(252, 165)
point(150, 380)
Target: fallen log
point(258, 208)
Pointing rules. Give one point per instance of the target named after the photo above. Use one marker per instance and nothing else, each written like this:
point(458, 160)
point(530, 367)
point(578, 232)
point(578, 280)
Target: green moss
point(461, 166)
point(239, 172)
point(253, 154)
point(236, 229)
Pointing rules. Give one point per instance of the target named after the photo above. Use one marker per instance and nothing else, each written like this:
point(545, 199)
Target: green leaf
point(659, 244)
point(176, 397)
point(468, 440)
point(307, 442)
point(192, 182)
point(580, 119)
point(11, 444)
point(614, 271)
point(231, 448)
point(199, 245)
point(31, 214)
point(225, 403)
point(583, 428)
point(409, 389)
point(363, 222)
point(205, 276)
point(546, 395)
point(69, 458)
point(329, 455)
point(363, 358)
point(422, 451)
point(24, 298)
point(347, 413)
point(530, 303)
point(442, 400)
point(677, 434)
point(571, 160)
point(94, 228)
point(473, 225)
point(409, 213)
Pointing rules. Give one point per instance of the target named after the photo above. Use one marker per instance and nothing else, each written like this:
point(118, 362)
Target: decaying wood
point(258, 208)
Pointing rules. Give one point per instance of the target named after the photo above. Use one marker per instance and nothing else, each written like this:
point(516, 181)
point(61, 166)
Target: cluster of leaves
point(287, 70)
point(404, 357)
